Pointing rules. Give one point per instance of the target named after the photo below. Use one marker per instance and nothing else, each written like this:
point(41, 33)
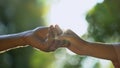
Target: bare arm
point(11, 41)
point(82, 47)
point(36, 38)
point(100, 50)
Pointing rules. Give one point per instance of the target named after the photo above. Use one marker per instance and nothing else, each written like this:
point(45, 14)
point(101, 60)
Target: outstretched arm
point(11, 41)
point(37, 38)
point(99, 50)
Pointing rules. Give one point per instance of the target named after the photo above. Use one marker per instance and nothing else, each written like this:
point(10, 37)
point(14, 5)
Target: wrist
point(24, 37)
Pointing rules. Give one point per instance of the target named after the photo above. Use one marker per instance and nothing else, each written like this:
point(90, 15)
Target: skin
point(99, 50)
point(50, 38)
point(36, 38)
point(82, 47)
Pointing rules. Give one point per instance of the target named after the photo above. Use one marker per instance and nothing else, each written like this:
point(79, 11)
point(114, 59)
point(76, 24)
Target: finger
point(71, 33)
point(59, 30)
point(50, 38)
point(58, 43)
point(54, 45)
point(51, 33)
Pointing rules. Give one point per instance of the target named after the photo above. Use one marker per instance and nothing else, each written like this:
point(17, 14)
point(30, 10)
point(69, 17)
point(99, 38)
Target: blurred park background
point(93, 20)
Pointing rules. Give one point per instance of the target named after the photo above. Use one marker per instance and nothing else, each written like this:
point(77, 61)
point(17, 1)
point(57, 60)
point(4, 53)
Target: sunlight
point(69, 14)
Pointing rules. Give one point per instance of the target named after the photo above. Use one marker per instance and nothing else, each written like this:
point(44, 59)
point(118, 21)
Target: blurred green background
point(20, 15)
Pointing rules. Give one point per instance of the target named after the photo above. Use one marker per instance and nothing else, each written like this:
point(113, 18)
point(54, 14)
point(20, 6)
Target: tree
point(104, 21)
point(17, 16)
point(104, 24)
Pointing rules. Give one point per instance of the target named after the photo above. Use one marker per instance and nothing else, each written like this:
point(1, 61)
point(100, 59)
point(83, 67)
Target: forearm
point(79, 46)
point(99, 50)
point(11, 41)
point(102, 50)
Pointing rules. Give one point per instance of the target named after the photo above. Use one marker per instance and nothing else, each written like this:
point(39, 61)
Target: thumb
point(65, 41)
point(70, 32)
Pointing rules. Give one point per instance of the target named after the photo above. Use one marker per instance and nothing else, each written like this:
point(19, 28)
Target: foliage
point(20, 15)
point(17, 16)
point(104, 21)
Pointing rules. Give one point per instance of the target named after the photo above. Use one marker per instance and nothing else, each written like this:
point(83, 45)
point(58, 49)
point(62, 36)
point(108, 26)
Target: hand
point(76, 44)
point(71, 37)
point(53, 35)
point(59, 38)
point(38, 38)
